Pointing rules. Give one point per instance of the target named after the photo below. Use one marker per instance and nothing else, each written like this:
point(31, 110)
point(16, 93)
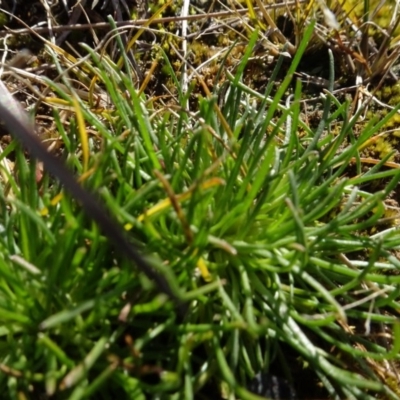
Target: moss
point(383, 147)
point(382, 17)
point(393, 384)
point(3, 19)
point(386, 92)
point(19, 41)
point(394, 100)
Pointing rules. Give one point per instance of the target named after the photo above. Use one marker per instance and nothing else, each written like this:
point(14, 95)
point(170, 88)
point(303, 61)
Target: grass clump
point(264, 233)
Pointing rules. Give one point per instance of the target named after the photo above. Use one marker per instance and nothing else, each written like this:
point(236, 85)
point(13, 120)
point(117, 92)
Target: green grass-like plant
point(264, 231)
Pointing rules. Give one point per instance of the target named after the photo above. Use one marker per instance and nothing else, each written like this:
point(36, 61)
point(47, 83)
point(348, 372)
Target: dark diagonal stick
point(17, 122)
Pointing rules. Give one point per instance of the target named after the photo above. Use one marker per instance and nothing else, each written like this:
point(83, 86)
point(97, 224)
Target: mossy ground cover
point(251, 156)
